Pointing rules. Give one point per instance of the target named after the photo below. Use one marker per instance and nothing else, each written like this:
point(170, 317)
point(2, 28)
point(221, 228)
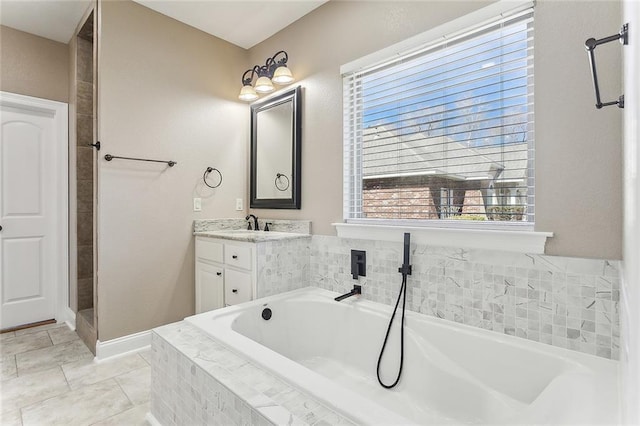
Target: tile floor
point(49, 377)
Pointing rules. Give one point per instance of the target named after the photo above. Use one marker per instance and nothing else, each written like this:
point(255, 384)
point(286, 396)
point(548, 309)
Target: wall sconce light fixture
point(273, 71)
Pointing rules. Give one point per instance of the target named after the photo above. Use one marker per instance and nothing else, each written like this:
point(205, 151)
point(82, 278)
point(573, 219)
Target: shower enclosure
point(83, 184)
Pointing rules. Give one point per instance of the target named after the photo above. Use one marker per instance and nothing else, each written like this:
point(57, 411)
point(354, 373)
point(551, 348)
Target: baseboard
point(67, 316)
point(122, 345)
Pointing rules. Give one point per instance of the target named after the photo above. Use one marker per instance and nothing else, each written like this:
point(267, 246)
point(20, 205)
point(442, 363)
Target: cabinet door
point(209, 287)
point(237, 286)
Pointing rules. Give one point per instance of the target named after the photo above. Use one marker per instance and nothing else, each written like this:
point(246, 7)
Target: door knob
point(95, 145)
point(0, 227)
point(234, 256)
point(218, 273)
point(235, 290)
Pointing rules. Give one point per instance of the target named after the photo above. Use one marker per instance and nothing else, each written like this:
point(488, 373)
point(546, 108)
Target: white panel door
point(28, 258)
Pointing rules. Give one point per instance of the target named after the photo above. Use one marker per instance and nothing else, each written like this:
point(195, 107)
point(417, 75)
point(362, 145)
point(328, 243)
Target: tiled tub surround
point(195, 380)
point(282, 265)
point(566, 302)
point(329, 350)
point(278, 225)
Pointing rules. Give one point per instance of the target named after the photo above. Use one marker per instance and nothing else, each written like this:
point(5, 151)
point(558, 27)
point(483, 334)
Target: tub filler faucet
point(357, 289)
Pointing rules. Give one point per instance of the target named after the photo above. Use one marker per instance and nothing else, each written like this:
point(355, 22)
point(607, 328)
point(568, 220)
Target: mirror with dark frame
point(275, 151)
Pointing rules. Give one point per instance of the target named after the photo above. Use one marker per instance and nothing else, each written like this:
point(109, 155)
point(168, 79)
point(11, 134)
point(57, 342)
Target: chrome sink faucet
point(256, 226)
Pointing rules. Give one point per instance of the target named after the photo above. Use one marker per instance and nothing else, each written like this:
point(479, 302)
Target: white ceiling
point(52, 19)
point(241, 22)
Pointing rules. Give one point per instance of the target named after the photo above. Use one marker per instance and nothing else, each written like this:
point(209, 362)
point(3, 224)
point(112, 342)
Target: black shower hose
point(403, 294)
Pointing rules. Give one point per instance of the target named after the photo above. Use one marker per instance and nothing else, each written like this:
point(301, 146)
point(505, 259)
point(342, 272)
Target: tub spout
point(357, 289)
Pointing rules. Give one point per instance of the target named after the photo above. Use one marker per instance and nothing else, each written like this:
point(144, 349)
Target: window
point(445, 133)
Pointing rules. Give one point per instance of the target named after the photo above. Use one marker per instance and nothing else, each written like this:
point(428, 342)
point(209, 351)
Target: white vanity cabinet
point(225, 273)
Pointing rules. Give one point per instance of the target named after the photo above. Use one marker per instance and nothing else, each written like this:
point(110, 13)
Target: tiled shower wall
point(567, 302)
point(84, 164)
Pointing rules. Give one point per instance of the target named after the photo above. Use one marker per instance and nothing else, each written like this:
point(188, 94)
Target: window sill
point(518, 241)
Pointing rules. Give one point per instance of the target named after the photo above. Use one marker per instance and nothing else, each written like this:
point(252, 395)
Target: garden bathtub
point(453, 373)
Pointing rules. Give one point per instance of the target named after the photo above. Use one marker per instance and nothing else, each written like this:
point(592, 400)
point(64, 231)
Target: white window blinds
point(445, 132)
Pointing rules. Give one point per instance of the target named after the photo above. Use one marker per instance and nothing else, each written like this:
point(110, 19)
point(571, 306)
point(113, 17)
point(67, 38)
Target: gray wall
point(578, 149)
point(33, 66)
point(165, 91)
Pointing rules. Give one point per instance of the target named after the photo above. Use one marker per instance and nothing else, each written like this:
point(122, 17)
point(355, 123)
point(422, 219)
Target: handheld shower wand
point(405, 270)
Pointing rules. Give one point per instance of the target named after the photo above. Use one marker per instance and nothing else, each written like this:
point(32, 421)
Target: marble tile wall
point(282, 265)
point(566, 302)
point(196, 381)
point(571, 303)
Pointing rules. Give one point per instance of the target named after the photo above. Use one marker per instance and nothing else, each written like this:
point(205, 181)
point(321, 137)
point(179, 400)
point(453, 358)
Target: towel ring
point(206, 173)
point(279, 187)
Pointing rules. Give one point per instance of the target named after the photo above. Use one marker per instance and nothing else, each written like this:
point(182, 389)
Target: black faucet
point(255, 222)
point(357, 289)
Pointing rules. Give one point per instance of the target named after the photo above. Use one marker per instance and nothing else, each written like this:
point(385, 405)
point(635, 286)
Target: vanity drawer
point(207, 249)
point(237, 256)
point(237, 286)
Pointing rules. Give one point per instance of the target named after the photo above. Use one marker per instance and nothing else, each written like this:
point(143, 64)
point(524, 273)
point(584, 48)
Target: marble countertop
point(251, 236)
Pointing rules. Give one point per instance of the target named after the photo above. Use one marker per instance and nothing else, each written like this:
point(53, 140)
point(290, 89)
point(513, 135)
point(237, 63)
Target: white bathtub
point(453, 374)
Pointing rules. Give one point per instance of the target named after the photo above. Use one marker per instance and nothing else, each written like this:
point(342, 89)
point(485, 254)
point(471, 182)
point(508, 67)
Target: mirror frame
point(294, 96)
